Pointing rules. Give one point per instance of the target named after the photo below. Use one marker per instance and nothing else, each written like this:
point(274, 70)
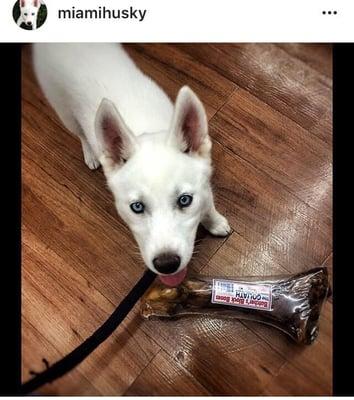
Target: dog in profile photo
point(29, 13)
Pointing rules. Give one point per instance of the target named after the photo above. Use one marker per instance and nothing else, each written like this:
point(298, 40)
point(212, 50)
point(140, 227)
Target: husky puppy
point(155, 154)
point(29, 12)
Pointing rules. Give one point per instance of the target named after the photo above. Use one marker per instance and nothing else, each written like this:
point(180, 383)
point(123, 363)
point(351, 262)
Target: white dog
point(155, 155)
point(29, 12)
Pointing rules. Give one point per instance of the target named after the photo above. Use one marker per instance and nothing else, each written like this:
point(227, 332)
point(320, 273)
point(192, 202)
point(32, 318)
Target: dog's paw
point(218, 226)
point(91, 161)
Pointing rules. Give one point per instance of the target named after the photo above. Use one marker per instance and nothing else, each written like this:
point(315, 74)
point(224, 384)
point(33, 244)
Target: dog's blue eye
point(32, 13)
point(185, 200)
point(137, 207)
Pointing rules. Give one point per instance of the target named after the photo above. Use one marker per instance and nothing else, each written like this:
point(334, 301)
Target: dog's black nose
point(167, 263)
point(29, 23)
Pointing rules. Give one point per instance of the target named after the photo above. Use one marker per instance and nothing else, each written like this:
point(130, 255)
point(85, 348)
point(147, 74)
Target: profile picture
point(29, 14)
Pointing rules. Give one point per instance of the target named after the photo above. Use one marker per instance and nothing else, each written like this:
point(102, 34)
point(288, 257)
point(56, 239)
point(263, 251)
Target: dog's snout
point(167, 263)
point(29, 23)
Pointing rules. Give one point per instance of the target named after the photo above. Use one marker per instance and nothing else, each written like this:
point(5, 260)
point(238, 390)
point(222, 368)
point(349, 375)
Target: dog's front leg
point(212, 220)
point(19, 21)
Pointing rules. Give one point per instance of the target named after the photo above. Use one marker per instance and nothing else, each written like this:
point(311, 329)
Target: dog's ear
point(22, 3)
point(36, 3)
point(115, 140)
point(189, 129)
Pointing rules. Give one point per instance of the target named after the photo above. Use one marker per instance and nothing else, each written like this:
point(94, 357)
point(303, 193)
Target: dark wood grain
point(172, 69)
point(270, 118)
point(65, 310)
point(278, 147)
point(268, 72)
point(314, 55)
point(266, 215)
point(164, 377)
point(34, 343)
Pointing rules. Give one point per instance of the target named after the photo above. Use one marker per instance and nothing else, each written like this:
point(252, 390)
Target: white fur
point(29, 12)
point(151, 151)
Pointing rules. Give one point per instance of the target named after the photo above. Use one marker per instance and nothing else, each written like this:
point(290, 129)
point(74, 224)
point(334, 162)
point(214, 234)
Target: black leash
point(74, 358)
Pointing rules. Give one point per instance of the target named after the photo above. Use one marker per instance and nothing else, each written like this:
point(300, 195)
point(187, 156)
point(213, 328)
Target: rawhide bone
point(290, 303)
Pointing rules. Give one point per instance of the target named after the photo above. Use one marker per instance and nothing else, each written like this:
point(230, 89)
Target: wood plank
point(266, 215)
point(323, 126)
point(277, 146)
point(34, 345)
point(234, 354)
point(314, 361)
point(94, 254)
point(294, 381)
point(266, 71)
point(172, 69)
point(328, 262)
point(164, 377)
point(66, 314)
point(317, 55)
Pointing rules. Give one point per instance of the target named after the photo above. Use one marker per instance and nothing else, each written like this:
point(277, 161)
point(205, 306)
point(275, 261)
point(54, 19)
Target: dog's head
point(160, 181)
point(29, 10)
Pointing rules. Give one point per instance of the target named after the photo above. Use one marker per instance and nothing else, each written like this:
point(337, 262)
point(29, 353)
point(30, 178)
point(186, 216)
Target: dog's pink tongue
point(173, 280)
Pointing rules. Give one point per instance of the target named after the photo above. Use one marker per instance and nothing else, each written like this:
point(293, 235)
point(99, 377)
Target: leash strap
point(74, 358)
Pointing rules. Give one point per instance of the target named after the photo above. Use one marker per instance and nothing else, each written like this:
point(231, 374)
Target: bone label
point(241, 294)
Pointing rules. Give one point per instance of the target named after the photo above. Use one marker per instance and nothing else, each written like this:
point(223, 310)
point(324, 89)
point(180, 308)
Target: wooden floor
point(270, 115)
